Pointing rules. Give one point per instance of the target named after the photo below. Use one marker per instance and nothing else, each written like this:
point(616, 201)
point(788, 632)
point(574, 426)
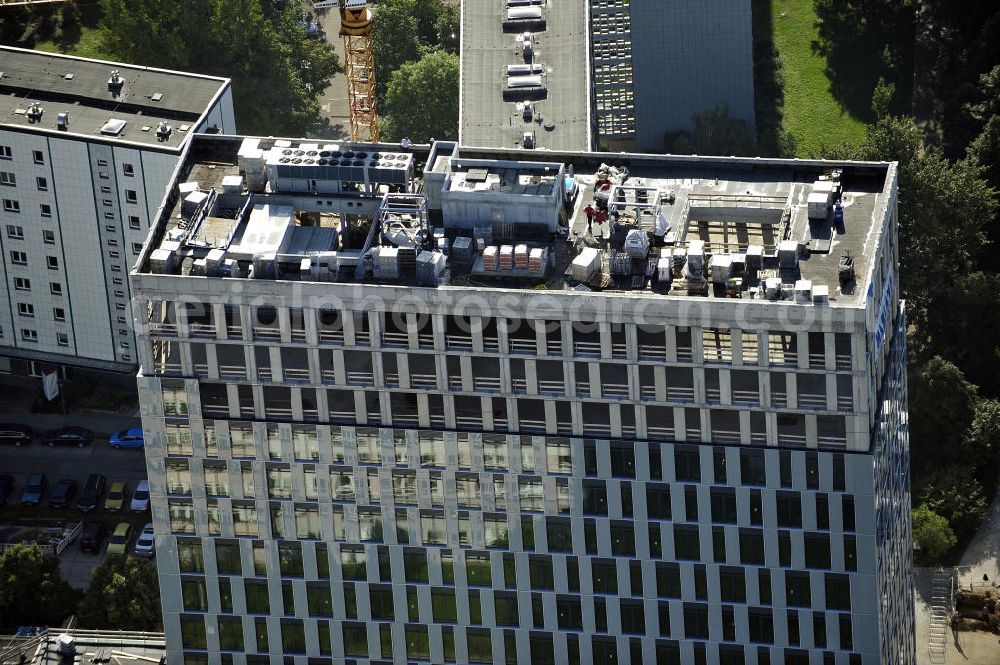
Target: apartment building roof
point(57, 646)
point(444, 216)
point(497, 71)
point(105, 101)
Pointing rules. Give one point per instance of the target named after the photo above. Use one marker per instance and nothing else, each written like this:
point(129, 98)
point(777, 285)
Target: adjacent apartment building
point(601, 74)
point(86, 150)
point(412, 407)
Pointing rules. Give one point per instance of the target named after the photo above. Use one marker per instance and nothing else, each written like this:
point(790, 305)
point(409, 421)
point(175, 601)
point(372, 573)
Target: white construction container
point(663, 268)
point(819, 204)
point(788, 254)
point(637, 244)
point(722, 265)
point(772, 288)
point(803, 291)
point(586, 264)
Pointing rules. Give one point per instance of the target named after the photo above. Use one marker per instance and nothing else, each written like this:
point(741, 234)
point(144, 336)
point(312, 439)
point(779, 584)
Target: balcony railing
point(233, 372)
point(807, 401)
point(551, 387)
point(165, 329)
point(655, 432)
point(615, 390)
point(268, 334)
point(746, 397)
point(335, 337)
point(532, 425)
point(680, 394)
point(523, 346)
point(652, 352)
point(553, 347)
point(458, 342)
point(395, 339)
point(588, 349)
point(201, 330)
point(360, 379)
point(423, 381)
point(296, 374)
point(725, 436)
point(488, 384)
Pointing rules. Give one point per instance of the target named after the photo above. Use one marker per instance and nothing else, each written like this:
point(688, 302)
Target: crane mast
point(356, 19)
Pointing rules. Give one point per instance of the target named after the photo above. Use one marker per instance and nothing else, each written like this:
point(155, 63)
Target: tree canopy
point(262, 46)
point(124, 593)
point(404, 30)
point(931, 533)
point(422, 100)
point(32, 591)
point(953, 492)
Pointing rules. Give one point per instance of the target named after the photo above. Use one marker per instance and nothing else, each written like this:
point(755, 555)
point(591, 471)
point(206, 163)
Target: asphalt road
point(333, 101)
point(77, 464)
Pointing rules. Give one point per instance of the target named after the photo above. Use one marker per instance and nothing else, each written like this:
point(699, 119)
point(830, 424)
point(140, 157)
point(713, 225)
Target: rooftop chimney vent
point(35, 112)
point(116, 82)
point(163, 130)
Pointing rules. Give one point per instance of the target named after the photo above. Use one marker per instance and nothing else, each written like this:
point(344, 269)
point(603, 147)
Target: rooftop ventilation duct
point(35, 112)
point(163, 130)
point(116, 82)
point(62, 122)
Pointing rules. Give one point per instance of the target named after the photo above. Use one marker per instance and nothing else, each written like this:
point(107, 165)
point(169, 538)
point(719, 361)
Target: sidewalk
point(982, 555)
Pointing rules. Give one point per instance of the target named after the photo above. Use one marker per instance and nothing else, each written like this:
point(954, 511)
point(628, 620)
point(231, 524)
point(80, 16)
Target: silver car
point(145, 544)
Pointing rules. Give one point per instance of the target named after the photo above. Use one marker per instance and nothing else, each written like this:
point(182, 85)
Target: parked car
point(127, 438)
point(6, 488)
point(69, 436)
point(19, 435)
point(34, 489)
point(92, 536)
point(62, 493)
point(92, 492)
point(116, 496)
point(118, 543)
point(145, 544)
point(140, 498)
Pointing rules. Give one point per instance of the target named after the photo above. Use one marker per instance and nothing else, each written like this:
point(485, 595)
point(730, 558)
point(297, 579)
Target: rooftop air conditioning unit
point(62, 122)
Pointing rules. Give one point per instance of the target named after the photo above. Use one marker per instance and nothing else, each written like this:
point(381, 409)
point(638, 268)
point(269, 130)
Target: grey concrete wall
point(689, 56)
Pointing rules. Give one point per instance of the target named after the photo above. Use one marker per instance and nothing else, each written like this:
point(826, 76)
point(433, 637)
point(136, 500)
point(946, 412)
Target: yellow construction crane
point(356, 19)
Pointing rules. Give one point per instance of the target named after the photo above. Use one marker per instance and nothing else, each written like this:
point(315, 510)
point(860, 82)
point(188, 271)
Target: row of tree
point(123, 592)
point(949, 222)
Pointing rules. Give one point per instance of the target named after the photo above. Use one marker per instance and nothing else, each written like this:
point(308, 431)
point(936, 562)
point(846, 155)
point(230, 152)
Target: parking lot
point(57, 463)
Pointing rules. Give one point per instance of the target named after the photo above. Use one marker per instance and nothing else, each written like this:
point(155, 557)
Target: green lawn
point(89, 45)
point(811, 113)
